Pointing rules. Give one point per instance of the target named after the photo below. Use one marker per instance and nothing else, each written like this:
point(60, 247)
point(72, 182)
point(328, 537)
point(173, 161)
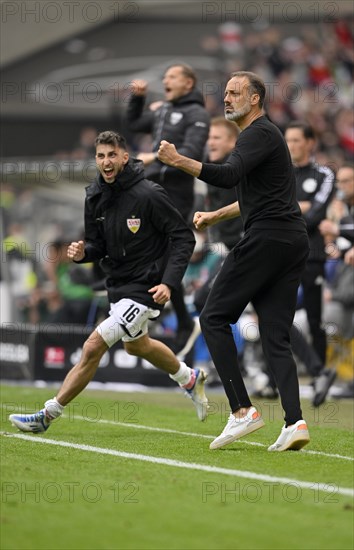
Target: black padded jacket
point(185, 123)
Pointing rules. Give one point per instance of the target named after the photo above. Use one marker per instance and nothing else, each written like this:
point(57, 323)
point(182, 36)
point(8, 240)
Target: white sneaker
point(35, 423)
point(197, 393)
point(238, 427)
point(292, 438)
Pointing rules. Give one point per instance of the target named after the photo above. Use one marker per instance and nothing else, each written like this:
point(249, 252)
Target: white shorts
point(127, 321)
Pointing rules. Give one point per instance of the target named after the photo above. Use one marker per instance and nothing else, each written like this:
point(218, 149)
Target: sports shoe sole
point(202, 404)
point(252, 427)
point(191, 340)
point(297, 442)
point(319, 398)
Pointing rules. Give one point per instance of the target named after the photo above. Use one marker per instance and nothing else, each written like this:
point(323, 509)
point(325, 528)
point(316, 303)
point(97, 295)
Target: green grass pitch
point(102, 478)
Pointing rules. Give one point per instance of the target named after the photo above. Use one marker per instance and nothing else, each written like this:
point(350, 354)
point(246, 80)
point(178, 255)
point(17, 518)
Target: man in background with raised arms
point(264, 268)
point(183, 120)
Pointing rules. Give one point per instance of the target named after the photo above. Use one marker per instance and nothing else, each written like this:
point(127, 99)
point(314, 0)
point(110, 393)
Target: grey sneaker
point(35, 423)
point(321, 385)
point(197, 394)
point(238, 427)
point(292, 438)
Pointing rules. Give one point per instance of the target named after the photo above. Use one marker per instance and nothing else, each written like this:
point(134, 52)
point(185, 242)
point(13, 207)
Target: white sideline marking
point(327, 454)
point(152, 428)
point(326, 488)
point(191, 434)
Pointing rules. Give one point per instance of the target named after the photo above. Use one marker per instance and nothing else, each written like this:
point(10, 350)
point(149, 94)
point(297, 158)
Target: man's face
point(110, 161)
point(176, 84)
point(300, 147)
point(237, 100)
point(220, 142)
point(345, 183)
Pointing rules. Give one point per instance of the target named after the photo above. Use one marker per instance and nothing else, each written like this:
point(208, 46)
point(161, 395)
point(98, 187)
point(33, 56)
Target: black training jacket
point(260, 166)
point(137, 232)
point(185, 123)
point(315, 183)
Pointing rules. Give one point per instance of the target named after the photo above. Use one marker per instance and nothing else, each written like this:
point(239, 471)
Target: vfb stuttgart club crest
point(133, 224)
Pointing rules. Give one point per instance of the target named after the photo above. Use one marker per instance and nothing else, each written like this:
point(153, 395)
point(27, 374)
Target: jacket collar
point(194, 96)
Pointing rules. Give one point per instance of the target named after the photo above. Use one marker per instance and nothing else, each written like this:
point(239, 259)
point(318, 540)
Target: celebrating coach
point(263, 268)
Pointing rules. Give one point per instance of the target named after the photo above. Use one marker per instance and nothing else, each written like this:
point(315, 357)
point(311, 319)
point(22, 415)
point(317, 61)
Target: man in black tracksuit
point(314, 191)
point(145, 245)
point(183, 120)
point(264, 267)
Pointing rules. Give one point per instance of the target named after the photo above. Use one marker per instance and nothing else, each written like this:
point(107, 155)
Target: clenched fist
point(139, 87)
point(76, 251)
point(167, 153)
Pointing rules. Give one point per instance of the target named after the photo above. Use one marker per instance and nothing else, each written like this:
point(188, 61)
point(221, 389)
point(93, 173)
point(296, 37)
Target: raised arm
point(168, 154)
point(253, 147)
point(138, 119)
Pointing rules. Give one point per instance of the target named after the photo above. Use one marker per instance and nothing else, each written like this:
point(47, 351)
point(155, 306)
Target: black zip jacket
point(137, 232)
point(315, 183)
point(185, 123)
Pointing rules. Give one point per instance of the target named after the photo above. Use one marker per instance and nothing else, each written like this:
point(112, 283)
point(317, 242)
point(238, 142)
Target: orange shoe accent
point(255, 415)
point(301, 427)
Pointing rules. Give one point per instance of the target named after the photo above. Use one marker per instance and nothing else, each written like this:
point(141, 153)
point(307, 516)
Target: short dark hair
point(307, 131)
point(187, 71)
point(109, 137)
point(257, 85)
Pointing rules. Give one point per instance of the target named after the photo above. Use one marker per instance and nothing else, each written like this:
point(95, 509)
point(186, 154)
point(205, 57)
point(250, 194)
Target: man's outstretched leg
point(191, 380)
point(76, 380)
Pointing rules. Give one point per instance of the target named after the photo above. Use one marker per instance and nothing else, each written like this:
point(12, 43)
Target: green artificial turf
point(56, 497)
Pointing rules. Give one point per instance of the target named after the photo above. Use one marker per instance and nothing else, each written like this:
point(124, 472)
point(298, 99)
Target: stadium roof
point(31, 26)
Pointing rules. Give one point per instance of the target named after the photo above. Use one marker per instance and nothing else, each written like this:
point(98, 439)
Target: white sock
point(53, 408)
point(183, 375)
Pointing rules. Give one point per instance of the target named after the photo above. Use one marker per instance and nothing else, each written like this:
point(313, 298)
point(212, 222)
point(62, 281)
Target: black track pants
point(264, 268)
point(312, 283)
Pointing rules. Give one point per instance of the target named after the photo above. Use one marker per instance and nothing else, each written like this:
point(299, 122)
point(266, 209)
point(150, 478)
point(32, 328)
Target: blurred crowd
point(309, 77)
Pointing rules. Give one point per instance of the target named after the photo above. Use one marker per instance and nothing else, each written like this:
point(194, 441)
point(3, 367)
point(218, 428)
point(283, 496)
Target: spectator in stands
point(72, 283)
point(18, 268)
point(345, 228)
point(85, 147)
point(339, 298)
